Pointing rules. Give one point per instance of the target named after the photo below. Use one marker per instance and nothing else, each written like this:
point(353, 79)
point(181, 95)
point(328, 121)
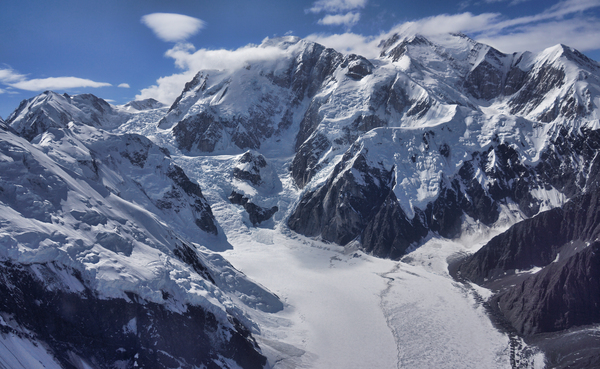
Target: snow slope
point(109, 219)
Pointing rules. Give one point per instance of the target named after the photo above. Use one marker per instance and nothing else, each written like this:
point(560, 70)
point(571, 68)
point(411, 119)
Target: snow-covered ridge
point(113, 215)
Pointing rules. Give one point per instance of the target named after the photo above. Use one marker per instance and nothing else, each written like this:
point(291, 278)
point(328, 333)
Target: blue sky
point(121, 50)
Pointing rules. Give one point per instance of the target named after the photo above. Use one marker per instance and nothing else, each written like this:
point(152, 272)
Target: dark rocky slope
point(77, 326)
point(563, 242)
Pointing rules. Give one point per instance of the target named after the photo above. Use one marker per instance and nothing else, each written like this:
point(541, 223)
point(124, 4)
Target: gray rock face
point(358, 66)
point(274, 107)
point(256, 213)
point(563, 295)
point(571, 164)
point(306, 161)
point(145, 104)
point(339, 210)
point(561, 241)
point(390, 233)
point(203, 216)
point(113, 332)
point(486, 80)
point(250, 168)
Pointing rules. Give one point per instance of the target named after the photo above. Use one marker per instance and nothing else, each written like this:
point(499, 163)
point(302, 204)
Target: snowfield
point(345, 309)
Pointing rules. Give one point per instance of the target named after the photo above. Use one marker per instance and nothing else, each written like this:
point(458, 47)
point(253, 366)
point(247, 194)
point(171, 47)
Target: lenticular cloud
point(173, 27)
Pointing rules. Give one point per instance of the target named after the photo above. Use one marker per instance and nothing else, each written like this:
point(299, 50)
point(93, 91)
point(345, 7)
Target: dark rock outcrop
point(203, 215)
point(256, 213)
point(146, 104)
point(339, 210)
point(562, 295)
point(252, 164)
point(561, 241)
point(79, 325)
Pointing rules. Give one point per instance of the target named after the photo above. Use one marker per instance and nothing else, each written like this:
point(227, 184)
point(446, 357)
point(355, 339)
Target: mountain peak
point(50, 109)
point(145, 104)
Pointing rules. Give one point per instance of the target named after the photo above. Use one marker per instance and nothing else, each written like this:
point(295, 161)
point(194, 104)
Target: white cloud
point(16, 80)
point(173, 27)
point(56, 83)
point(347, 20)
point(557, 11)
point(439, 24)
point(187, 58)
point(368, 45)
point(336, 6)
point(124, 85)
point(191, 61)
point(166, 88)
point(8, 75)
point(582, 34)
point(565, 22)
point(349, 43)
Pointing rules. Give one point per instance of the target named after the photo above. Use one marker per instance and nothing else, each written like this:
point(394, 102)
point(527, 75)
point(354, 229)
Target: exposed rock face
point(145, 104)
point(390, 233)
point(340, 209)
point(563, 295)
point(571, 164)
point(358, 66)
point(256, 213)
point(253, 169)
point(249, 168)
point(306, 162)
point(51, 304)
point(206, 113)
point(203, 216)
point(561, 241)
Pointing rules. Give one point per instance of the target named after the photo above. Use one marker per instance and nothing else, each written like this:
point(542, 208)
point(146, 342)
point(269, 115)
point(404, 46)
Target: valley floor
point(345, 309)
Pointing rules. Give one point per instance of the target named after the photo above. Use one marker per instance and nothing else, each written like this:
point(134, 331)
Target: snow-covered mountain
point(104, 258)
point(439, 140)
